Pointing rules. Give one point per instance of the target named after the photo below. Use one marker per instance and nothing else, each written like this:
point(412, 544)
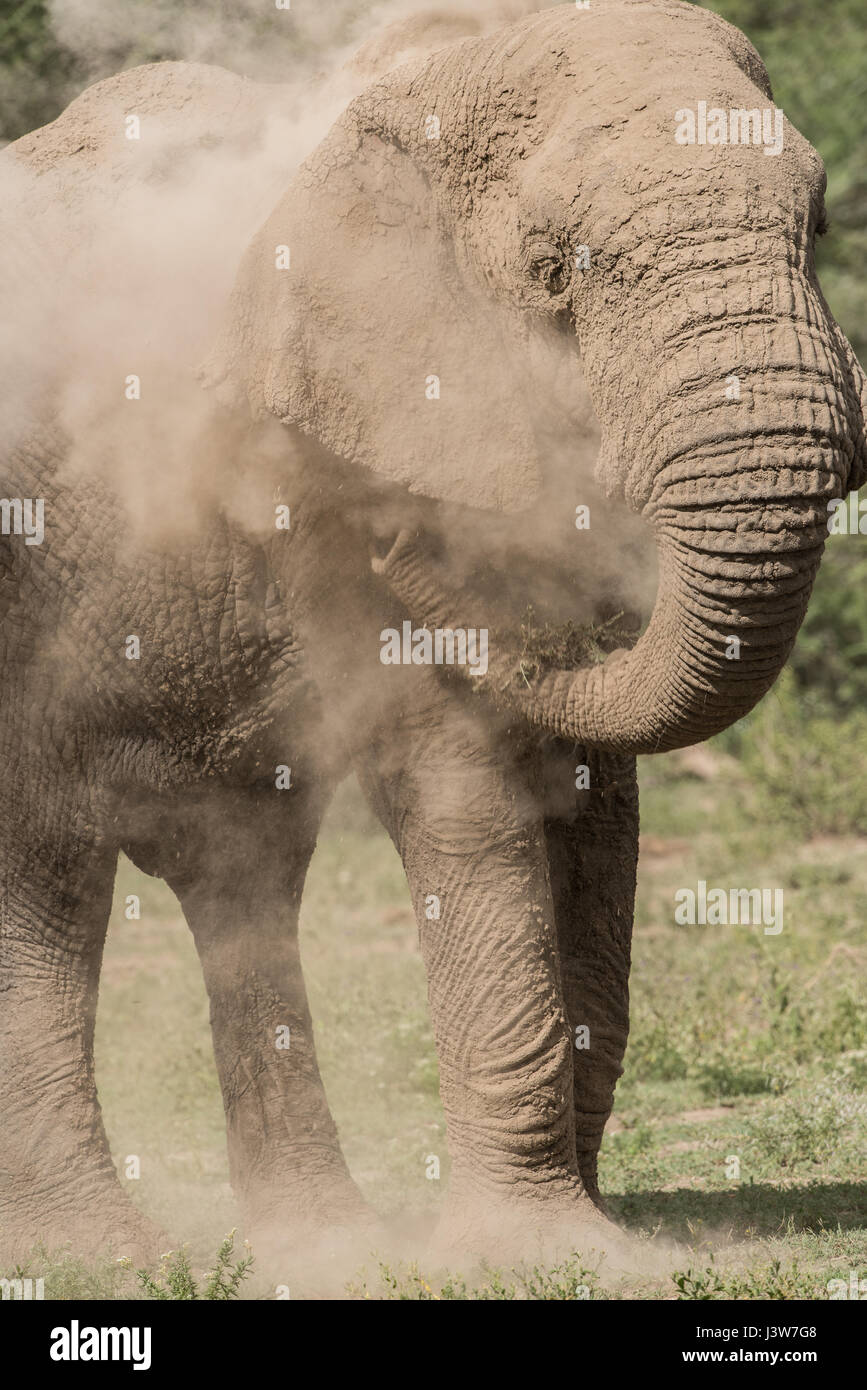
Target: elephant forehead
point(614, 44)
point(571, 87)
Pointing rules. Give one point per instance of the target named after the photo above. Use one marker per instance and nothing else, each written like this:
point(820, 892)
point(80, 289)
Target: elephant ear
point(372, 341)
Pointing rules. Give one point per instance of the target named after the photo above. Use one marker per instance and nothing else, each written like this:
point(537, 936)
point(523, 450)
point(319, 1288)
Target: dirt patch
point(706, 764)
point(657, 847)
point(700, 1117)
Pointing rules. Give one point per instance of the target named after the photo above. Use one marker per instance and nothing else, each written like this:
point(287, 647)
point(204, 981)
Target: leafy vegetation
point(805, 759)
point(38, 75)
point(176, 1280)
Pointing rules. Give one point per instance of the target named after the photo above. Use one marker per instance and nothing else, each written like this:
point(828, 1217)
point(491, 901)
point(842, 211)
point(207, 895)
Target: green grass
point(176, 1280)
point(743, 1046)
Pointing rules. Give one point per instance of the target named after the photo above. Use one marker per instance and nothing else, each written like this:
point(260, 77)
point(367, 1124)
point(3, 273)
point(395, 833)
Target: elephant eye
point(546, 264)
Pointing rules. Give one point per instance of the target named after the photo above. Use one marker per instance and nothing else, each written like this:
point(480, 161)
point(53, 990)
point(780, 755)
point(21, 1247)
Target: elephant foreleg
point(239, 876)
point(470, 833)
point(593, 856)
point(57, 1179)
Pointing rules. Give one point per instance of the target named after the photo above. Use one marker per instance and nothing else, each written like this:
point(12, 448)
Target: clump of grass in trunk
point(546, 647)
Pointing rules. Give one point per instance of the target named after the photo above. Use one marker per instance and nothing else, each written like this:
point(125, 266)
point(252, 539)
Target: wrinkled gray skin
point(555, 132)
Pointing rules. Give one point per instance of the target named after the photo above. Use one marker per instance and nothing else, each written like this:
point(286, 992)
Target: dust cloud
point(119, 255)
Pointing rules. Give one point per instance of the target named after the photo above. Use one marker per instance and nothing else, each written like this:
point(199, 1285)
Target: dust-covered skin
point(411, 257)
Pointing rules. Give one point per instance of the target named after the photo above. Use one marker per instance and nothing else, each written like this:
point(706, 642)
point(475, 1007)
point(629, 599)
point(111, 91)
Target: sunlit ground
point(744, 1047)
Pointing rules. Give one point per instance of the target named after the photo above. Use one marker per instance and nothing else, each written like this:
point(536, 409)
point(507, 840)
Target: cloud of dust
point(267, 43)
point(118, 254)
point(117, 276)
point(349, 1263)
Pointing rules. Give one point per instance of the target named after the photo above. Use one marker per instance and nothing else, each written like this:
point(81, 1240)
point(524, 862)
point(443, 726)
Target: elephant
point(503, 260)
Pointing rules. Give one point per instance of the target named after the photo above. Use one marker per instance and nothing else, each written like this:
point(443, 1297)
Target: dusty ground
point(744, 1046)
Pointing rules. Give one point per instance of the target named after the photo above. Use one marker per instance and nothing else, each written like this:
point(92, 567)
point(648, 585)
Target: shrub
point(176, 1279)
point(804, 764)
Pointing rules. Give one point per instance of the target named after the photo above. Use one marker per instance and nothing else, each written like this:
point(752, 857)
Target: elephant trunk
point(737, 493)
point(737, 489)
point(715, 644)
point(859, 382)
point(732, 593)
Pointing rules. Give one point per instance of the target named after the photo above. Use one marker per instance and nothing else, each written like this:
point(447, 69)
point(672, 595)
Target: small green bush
point(804, 765)
point(772, 1280)
point(829, 660)
point(177, 1282)
point(564, 1283)
point(808, 1126)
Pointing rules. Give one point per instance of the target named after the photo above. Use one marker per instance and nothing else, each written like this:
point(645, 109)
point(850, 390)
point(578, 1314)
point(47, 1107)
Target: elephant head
point(519, 212)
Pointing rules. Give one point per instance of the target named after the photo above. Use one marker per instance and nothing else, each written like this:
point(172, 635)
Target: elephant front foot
point(111, 1229)
point(312, 1241)
point(536, 1224)
point(313, 1262)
